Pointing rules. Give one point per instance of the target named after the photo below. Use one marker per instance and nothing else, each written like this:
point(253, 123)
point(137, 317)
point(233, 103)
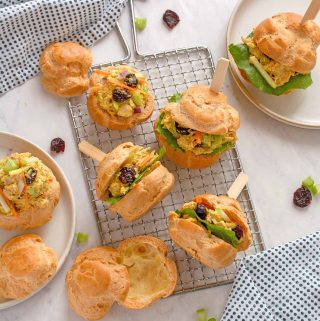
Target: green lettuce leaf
point(166, 133)
point(222, 148)
point(175, 98)
point(146, 171)
point(241, 55)
point(219, 231)
point(113, 200)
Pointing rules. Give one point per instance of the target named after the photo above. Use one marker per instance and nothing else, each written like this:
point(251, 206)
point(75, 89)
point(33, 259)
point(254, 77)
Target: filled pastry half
point(278, 55)
point(119, 97)
point(29, 192)
point(132, 180)
point(198, 128)
point(210, 228)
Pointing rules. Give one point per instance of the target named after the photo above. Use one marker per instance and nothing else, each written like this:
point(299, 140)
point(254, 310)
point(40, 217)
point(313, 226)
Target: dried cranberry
point(302, 197)
point(30, 175)
point(238, 232)
point(181, 130)
point(120, 96)
point(131, 80)
point(127, 175)
point(58, 145)
point(201, 210)
point(170, 18)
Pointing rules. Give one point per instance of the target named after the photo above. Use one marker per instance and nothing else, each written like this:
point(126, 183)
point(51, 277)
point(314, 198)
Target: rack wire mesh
point(168, 72)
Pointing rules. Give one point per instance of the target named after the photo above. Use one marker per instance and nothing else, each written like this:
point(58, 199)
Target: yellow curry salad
point(141, 161)
point(122, 91)
point(192, 140)
point(23, 183)
point(215, 216)
point(278, 73)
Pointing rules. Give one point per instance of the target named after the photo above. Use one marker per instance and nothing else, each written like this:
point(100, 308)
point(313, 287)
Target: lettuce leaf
point(113, 200)
point(222, 148)
point(146, 171)
point(175, 98)
point(241, 55)
point(219, 231)
point(171, 140)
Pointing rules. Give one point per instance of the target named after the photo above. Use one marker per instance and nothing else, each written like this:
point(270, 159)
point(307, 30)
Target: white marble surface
point(275, 156)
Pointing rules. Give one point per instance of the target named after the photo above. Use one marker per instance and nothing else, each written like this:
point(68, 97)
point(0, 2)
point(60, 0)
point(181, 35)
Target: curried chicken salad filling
point(278, 73)
point(122, 93)
point(187, 139)
point(23, 183)
point(214, 220)
point(141, 162)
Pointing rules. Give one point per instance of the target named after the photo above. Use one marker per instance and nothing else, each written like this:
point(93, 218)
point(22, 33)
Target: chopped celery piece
point(116, 106)
point(144, 88)
point(308, 182)
point(317, 189)
point(32, 191)
point(10, 165)
point(202, 315)
point(140, 23)
point(137, 99)
point(82, 238)
point(311, 186)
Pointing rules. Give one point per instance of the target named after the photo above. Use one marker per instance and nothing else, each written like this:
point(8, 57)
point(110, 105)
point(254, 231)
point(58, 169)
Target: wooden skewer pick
point(312, 11)
point(219, 74)
point(91, 151)
point(238, 185)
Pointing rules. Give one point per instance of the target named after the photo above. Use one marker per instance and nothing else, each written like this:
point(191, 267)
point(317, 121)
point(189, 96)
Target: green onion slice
point(202, 315)
point(82, 238)
point(308, 182)
point(10, 165)
point(140, 23)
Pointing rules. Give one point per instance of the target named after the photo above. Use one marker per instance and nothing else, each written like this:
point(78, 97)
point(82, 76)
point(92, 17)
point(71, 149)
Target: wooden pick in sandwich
point(312, 11)
point(219, 75)
point(91, 151)
point(238, 185)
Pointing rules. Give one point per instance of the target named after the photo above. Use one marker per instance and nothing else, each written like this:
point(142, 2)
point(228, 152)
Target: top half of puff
point(204, 110)
point(287, 41)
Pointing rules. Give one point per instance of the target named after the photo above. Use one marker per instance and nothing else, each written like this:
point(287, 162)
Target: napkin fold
point(27, 27)
point(280, 284)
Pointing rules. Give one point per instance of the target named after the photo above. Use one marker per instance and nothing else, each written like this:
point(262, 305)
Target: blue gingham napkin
point(27, 27)
point(280, 284)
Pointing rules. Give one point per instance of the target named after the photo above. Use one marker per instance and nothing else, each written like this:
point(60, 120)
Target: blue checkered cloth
point(280, 284)
point(27, 27)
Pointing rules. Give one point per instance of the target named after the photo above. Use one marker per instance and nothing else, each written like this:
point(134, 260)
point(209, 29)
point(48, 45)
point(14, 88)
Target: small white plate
point(300, 108)
point(57, 233)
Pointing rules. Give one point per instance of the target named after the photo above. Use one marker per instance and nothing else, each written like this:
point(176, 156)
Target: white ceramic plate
point(57, 233)
point(300, 108)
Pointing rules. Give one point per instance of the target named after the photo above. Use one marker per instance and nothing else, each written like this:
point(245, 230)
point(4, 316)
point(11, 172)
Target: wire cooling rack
point(168, 72)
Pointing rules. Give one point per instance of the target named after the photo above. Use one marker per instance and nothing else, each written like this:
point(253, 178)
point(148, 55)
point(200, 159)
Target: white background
point(274, 155)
